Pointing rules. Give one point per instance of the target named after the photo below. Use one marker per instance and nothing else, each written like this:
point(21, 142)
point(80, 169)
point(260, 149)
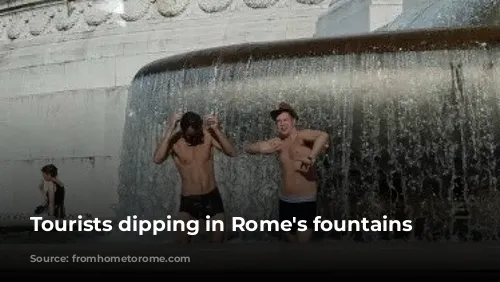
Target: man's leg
point(286, 213)
point(217, 235)
point(215, 208)
point(306, 211)
point(183, 236)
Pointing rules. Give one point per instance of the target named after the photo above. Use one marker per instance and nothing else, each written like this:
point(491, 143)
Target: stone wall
point(347, 17)
point(65, 69)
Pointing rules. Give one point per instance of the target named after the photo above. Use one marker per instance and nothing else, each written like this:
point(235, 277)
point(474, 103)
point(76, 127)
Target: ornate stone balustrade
point(24, 19)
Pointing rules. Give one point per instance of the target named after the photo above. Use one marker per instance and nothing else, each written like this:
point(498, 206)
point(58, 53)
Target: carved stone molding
point(214, 6)
point(31, 18)
point(135, 10)
point(260, 4)
point(310, 2)
point(171, 8)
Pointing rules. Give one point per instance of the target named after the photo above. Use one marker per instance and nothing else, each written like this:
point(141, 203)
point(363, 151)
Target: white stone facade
point(65, 69)
point(347, 17)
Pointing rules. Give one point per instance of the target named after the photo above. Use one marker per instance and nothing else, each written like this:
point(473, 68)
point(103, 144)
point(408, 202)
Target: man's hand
point(306, 163)
point(174, 119)
point(173, 124)
point(212, 122)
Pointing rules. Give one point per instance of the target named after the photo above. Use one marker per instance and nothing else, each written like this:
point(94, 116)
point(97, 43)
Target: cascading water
point(414, 127)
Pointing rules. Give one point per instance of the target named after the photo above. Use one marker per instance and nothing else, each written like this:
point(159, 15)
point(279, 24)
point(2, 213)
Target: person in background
point(53, 192)
point(191, 145)
point(297, 151)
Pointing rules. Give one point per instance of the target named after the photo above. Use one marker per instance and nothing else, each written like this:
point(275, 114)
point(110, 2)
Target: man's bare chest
point(187, 154)
point(294, 149)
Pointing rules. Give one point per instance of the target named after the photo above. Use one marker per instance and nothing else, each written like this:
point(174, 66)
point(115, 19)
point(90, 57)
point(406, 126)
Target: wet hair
point(50, 169)
point(192, 120)
point(284, 108)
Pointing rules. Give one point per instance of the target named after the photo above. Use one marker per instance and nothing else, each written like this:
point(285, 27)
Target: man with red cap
point(297, 151)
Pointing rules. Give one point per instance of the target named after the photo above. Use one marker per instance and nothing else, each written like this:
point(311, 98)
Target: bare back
point(297, 179)
point(195, 165)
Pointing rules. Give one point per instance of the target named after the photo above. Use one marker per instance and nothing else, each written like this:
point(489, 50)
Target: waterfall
point(414, 127)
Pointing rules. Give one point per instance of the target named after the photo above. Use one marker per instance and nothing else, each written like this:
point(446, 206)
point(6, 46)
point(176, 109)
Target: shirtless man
point(297, 151)
point(192, 148)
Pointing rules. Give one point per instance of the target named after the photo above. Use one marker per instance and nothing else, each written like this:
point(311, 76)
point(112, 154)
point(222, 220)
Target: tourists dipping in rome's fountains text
point(191, 144)
point(297, 151)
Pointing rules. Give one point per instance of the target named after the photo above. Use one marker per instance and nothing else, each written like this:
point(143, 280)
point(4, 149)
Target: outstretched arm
point(319, 140)
point(263, 147)
point(164, 147)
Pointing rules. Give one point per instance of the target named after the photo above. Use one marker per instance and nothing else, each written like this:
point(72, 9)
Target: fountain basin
point(412, 119)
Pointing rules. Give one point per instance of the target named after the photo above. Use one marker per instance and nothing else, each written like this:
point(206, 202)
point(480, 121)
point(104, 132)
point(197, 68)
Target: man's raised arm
point(318, 138)
point(164, 147)
point(220, 141)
